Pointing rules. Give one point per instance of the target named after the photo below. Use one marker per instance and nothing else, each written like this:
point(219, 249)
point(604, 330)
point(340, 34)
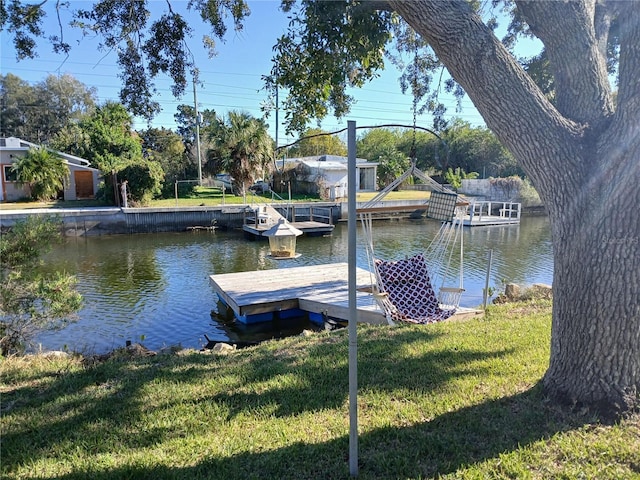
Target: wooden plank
point(305, 227)
point(272, 290)
point(321, 289)
point(336, 305)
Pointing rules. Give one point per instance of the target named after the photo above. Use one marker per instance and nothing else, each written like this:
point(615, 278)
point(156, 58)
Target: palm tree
point(244, 147)
point(43, 171)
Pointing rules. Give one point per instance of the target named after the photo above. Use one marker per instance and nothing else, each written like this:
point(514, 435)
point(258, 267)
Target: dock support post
point(353, 307)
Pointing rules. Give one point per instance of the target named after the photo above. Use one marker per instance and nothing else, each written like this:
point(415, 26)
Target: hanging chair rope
point(404, 288)
point(393, 286)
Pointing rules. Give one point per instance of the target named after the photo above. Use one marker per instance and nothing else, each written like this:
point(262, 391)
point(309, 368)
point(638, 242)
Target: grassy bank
point(208, 197)
point(452, 400)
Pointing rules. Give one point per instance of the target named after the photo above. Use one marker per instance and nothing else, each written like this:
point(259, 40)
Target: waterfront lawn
point(451, 400)
point(205, 196)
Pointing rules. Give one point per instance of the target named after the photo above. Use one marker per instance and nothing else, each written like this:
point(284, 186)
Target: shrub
point(43, 171)
point(144, 181)
point(31, 302)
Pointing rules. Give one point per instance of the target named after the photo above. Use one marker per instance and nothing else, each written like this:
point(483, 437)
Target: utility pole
point(277, 117)
point(195, 103)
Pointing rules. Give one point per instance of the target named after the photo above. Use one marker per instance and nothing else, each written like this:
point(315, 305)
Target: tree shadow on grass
point(387, 364)
point(322, 379)
point(424, 450)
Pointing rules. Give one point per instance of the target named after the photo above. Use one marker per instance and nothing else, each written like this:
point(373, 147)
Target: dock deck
point(265, 217)
point(308, 228)
point(317, 289)
point(483, 214)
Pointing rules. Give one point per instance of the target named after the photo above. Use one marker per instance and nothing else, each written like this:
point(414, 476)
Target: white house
point(329, 173)
point(82, 182)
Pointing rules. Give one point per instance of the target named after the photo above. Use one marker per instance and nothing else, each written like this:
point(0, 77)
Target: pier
point(492, 213)
point(265, 216)
point(321, 291)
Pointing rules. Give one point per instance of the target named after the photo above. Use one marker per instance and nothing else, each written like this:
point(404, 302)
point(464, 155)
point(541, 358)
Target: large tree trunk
point(595, 341)
point(585, 162)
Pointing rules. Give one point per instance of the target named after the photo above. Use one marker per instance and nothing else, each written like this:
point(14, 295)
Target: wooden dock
point(265, 216)
point(308, 228)
point(483, 214)
point(322, 291)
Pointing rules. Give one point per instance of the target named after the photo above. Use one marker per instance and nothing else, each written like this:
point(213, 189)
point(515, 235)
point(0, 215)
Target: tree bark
point(583, 159)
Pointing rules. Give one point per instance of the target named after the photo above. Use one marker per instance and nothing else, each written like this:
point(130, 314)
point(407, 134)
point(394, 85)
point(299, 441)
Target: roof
point(17, 144)
point(330, 162)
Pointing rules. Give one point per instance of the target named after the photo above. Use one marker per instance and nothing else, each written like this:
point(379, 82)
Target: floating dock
point(321, 291)
point(484, 214)
point(265, 216)
point(308, 228)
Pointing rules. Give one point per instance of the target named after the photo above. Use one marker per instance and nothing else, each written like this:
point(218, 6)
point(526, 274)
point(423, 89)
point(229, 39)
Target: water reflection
point(156, 286)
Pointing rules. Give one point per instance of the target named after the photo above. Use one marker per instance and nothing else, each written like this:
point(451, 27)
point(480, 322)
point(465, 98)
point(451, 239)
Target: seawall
point(117, 221)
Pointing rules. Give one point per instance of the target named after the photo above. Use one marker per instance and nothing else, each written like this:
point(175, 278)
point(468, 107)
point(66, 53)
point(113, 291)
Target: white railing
point(482, 210)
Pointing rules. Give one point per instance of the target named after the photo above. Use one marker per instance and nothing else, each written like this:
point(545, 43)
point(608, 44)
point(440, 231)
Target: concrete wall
point(114, 221)
point(476, 188)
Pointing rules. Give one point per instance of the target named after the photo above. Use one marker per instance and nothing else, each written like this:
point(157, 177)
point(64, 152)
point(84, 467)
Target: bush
point(144, 181)
point(31, 302)
point(455, 178)
point(44, 172)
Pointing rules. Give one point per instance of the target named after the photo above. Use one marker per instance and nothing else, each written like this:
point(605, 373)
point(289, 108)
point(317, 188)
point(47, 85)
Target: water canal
point(155, 288)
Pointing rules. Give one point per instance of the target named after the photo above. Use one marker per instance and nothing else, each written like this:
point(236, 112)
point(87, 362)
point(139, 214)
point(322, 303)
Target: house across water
point(324, 176)
point(82, 182)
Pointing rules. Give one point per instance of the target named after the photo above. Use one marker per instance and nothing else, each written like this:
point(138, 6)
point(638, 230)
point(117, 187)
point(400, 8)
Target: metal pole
point(195, 103)
point(486, 281)
point(353, 307)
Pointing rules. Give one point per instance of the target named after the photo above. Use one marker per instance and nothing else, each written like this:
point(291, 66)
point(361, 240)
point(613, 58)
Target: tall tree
point(579, 147)
point(382, 146)
point(37, 112)
point(243, 148)
point(105, 138)
point(186, 119)
point(315, 141)
point(476, 149)
point(166, 147)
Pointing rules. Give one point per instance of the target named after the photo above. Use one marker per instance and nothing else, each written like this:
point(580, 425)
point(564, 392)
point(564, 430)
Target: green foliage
point(38, 112)
point(29, 301)
point(144, 181)
point(210, 124)
point(105, 138)
point(167, 148)
point(318, 144)
point(391, 164)
point(43, 171)
point(242, 147)
point(454, 178)
point(476, 149)
point(328, 47)
point(374, 141)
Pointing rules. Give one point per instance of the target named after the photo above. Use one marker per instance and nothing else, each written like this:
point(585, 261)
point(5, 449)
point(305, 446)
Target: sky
point(232, 80)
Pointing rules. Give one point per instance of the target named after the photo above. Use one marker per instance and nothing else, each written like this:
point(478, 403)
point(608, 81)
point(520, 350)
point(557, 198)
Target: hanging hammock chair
point(404, 289)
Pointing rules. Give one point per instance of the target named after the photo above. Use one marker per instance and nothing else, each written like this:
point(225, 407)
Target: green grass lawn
point(204, 196)
point(450, 400)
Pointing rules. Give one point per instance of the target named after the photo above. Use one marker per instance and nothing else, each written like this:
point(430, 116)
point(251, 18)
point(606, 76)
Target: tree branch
point(628, 101)
point(577, 58)
point(511, 104)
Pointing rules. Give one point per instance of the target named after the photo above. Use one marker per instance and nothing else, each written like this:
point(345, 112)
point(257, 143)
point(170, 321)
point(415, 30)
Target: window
point(9, 174)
